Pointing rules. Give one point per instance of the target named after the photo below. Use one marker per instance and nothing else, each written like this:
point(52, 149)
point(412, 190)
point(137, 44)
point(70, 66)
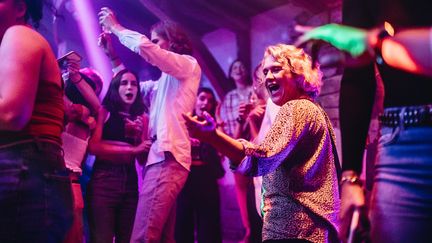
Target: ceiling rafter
point(206, 60)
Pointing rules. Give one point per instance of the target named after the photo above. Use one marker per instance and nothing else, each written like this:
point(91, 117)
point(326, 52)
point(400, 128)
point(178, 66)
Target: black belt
point(408, 116)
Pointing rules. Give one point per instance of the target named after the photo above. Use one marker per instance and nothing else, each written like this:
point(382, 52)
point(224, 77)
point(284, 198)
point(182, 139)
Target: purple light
point(89, 27)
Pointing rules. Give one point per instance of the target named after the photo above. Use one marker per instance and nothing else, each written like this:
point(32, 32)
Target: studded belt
point(407, 116)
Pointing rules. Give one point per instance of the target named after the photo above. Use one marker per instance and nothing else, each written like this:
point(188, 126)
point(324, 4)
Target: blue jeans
point(35, 193)
point(112, 196)
point(155, 216)
point(401, 204)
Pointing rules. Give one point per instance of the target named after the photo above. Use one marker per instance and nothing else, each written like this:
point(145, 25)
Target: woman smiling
point(297, 158)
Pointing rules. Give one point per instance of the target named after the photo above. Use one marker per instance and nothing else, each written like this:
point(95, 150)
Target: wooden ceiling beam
point(208, 63)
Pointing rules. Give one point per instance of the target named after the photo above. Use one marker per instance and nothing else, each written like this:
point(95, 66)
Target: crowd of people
point(270, 127)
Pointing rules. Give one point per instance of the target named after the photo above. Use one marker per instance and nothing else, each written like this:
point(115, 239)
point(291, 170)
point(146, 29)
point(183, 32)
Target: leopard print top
point(296, 160)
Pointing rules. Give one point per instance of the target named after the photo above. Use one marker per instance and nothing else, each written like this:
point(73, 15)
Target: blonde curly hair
point(300, 64)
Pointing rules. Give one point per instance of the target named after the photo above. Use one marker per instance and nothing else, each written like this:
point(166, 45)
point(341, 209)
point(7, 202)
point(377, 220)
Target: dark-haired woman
point(35, 191)
point(81, 106)
point(119, 136)
point(198, 204)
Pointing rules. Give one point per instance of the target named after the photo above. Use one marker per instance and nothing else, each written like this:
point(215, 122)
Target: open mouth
point(273, 87)
point(129, 96)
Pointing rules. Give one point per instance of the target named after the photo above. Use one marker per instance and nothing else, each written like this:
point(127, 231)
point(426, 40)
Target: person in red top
point(35, 190)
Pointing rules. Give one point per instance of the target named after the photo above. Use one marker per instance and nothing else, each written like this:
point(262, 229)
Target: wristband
point(76, 82)
point(384, 33)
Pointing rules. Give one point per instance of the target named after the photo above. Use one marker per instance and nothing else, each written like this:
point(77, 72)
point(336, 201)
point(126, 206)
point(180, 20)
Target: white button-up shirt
point(173, 94)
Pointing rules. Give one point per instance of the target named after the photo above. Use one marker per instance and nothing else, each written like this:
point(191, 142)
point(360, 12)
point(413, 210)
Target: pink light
point(89, 27)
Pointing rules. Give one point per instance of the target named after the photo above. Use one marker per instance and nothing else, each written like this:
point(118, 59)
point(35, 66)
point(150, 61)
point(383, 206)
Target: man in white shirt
point(174, 93)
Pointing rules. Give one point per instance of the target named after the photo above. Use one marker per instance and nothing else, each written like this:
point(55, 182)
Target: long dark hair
point(74, 95)
point(179, 42)
point(35, 10)
point(113, 102)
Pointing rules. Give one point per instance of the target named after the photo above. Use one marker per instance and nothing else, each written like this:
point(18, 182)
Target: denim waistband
point(38, 141)
point(48, 152)
point(407, 116)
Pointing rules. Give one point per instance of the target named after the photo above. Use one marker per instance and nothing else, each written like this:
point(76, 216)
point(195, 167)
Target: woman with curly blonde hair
point(297, 157)
point(300, 64)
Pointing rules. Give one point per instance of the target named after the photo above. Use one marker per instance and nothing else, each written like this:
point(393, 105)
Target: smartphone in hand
point(72, 55)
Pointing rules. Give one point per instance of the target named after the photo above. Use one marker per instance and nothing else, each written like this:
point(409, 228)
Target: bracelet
point(76, 82)
point(353, 179)
point(384, 33)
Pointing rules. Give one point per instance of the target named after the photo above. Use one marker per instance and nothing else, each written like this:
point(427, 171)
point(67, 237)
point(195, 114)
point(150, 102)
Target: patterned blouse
point(300, 184)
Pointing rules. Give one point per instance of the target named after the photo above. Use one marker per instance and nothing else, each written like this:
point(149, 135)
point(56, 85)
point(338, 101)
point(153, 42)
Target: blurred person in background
point(241, 98)
point(35, 189)
point(198, 204)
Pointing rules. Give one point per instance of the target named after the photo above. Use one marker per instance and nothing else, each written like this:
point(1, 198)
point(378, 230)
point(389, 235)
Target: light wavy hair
point(309, 78)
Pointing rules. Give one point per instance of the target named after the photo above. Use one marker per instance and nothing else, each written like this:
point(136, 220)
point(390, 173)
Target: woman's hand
point(134, 129)
point(243, 110)
point(74, 112)
point(72, 70)
point(143, 147)
point(352, 196)
point(200, 129)
point(87, 118)
point(257, 113)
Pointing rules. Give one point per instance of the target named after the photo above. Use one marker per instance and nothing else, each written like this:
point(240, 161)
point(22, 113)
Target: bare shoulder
point(36, 50)
point(23, 42)
point(24, 35)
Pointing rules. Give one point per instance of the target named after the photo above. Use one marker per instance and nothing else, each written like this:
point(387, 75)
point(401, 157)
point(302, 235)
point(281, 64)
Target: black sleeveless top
point(114, 128)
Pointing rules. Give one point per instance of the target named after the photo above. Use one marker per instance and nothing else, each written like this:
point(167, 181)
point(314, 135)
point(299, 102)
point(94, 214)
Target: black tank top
point(114, 129)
